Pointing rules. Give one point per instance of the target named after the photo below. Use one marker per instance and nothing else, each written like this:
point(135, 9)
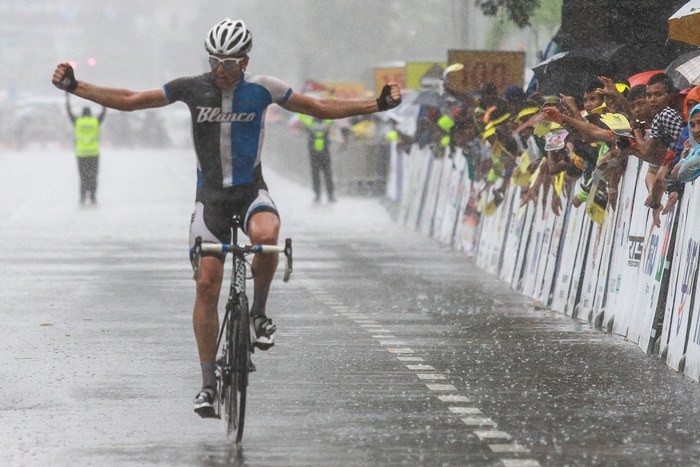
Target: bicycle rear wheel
point(239, 353)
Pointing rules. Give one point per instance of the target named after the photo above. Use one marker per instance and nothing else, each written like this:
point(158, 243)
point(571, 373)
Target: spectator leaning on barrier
point(674, 187)
point(688, 168)
point(665, 129)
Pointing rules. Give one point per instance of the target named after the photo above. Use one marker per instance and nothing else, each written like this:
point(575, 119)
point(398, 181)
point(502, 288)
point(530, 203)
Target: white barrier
point(627, 276)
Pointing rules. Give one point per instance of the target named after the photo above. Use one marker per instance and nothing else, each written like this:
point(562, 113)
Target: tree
point(518, 11)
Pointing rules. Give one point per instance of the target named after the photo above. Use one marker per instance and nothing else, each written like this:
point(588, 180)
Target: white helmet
point(229, 38)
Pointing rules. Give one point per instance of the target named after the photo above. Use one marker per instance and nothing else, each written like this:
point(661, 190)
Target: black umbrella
point(685, 70)
point(570, 72)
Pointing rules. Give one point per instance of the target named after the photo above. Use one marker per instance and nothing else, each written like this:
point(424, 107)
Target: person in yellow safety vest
point(87, 148)
point(445, 123)
point(319, 154)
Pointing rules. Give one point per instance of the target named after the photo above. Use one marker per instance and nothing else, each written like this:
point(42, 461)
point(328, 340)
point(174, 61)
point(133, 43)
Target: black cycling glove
point(68, 82)
point(384, 101)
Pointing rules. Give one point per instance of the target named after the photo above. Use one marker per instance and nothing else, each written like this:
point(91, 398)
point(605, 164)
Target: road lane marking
point(464, 410)
point(478, 421)
point(499, 442)
point(432, 376)
point(453, 398)
point(492, 434)
point(420, 367)
point(441, 387)
point(510, 448)
point(520, 463)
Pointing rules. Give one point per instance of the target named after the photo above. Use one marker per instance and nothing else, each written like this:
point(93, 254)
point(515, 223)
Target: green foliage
point(518, 11)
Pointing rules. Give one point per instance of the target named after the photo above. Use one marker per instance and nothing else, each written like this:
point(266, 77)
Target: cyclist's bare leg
point(205, 317)
point(263, 229)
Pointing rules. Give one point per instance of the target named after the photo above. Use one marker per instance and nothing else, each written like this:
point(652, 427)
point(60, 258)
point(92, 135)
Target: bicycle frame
point(234, 344)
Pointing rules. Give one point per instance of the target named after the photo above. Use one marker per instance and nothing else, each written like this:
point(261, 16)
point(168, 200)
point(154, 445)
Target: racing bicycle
point(234, 345)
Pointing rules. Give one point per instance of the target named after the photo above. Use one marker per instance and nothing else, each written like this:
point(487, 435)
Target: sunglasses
point(227, 63)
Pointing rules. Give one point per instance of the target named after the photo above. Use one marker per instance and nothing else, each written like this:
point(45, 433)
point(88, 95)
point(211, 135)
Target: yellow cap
point(489, 131)
point(622, 87)
point(526, 112)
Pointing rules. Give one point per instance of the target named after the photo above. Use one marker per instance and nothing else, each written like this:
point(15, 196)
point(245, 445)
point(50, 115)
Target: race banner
point(480, 67)
point(389, 74)
point(458, 183)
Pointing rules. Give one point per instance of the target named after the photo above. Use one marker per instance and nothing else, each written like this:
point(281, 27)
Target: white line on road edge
point(501, 442)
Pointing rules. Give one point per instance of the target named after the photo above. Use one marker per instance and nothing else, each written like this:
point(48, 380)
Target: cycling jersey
point(228, 127)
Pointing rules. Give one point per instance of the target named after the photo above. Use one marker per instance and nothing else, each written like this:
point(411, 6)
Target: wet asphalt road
point(391, 350)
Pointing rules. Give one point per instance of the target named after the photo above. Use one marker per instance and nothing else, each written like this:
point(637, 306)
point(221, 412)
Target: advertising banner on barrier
point(692, 355)
point(599, 299)
point(534, 248)
point(448, 168)
point(394, 174)
point(579, 265)
point(680, 304)
point(550, 220)
point(458, 180)
point(553, 257)
point(432, 190)
point(420, 169)
point(591, 270)
point(569, 252)
point(408, 187)
point(624, 268)
point(525, 215)
point(514, 237)
point(655, 258)
point(469, 226)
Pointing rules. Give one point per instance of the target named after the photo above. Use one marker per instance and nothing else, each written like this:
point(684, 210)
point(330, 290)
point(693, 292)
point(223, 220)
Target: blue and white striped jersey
point(228, 127)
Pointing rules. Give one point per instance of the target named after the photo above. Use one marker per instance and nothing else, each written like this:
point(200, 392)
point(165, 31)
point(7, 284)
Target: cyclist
point(228, 105)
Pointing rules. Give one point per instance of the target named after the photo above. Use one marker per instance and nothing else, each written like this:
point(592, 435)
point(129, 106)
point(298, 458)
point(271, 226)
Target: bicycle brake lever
point(288, 269)
point(197, 255)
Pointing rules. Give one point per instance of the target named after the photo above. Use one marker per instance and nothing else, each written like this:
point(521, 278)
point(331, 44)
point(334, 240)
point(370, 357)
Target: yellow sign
point(423, 74)
point(386, 75)
point(480, 67)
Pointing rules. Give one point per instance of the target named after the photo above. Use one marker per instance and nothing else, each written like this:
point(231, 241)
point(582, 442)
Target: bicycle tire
point(240, 358)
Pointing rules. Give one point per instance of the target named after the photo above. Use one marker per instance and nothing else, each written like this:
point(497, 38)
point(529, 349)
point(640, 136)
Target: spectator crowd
point(574, 147)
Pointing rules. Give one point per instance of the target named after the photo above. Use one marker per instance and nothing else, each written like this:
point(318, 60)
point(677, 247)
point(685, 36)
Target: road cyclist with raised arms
point(227, 105)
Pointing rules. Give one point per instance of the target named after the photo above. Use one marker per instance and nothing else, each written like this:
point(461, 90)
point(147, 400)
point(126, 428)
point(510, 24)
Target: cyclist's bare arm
point(114, 98)
point(335, 108)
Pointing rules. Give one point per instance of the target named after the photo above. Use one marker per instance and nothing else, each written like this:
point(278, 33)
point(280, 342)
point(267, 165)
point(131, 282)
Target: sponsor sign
point(480, 67)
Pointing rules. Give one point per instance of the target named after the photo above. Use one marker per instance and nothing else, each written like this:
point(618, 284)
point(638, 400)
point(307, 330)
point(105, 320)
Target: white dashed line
point(420, 367)
point(511, 447)
point(499, 442)
point(492, 434)
point(441, 387)
point(520, 463)
point(464, 410)
point(432, 376)
point(478, 421)
point(453, 398)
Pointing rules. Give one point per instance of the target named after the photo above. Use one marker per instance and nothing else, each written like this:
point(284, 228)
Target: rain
point(407, 335)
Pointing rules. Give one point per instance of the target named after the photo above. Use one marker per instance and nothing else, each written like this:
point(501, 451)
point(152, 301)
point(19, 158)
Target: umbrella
point(683, 26)
point(685, 70)
point(642, 78)
point(570, 72)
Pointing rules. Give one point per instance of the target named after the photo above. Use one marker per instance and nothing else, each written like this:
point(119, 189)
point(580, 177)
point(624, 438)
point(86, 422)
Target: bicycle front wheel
point(240, 369)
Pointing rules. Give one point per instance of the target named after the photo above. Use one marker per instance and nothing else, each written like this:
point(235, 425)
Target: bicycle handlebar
point(201, 247)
